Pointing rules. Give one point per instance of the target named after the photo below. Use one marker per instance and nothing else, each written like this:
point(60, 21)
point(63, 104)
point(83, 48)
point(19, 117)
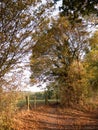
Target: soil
point(57, 118)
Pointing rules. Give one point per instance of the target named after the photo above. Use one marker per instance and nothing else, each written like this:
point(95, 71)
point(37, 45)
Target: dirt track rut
point(55, 119)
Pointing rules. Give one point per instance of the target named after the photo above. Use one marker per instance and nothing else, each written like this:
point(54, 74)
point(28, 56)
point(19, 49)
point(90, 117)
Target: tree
point(13, 44)
point(75, 10)
point(18, 22)
point(76, 86)
point(92, 62)
point(55, 52)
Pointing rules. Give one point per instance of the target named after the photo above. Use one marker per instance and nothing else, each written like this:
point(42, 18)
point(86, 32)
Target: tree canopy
point(57, 57)
point(19, 21)
point(76, 9)
point(13, 21)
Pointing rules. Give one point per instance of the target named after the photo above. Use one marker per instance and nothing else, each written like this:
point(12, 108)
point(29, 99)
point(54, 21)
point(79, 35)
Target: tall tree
point(62, 47)
point(55, 52)
point(19, 20)
point(13, 21)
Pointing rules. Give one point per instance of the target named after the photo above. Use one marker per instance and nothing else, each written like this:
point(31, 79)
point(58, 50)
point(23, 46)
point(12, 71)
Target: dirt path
point(53, 118)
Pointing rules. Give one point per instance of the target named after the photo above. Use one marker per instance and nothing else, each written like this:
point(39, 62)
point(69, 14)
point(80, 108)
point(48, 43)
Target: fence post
point(28, 102)
point(35, 102)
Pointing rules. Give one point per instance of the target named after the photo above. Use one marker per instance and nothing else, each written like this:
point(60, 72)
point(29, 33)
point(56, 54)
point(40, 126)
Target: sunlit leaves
point(94, 41)
point(75, 9)
point(92, 62)
point(50, 49)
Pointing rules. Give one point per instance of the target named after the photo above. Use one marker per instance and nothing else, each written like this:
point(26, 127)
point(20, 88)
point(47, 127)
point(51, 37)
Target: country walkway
point(53, 118)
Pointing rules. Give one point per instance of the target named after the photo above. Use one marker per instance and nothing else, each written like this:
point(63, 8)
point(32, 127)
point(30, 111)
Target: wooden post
point(28, 103)
point(35, 102)
point(46, 97)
